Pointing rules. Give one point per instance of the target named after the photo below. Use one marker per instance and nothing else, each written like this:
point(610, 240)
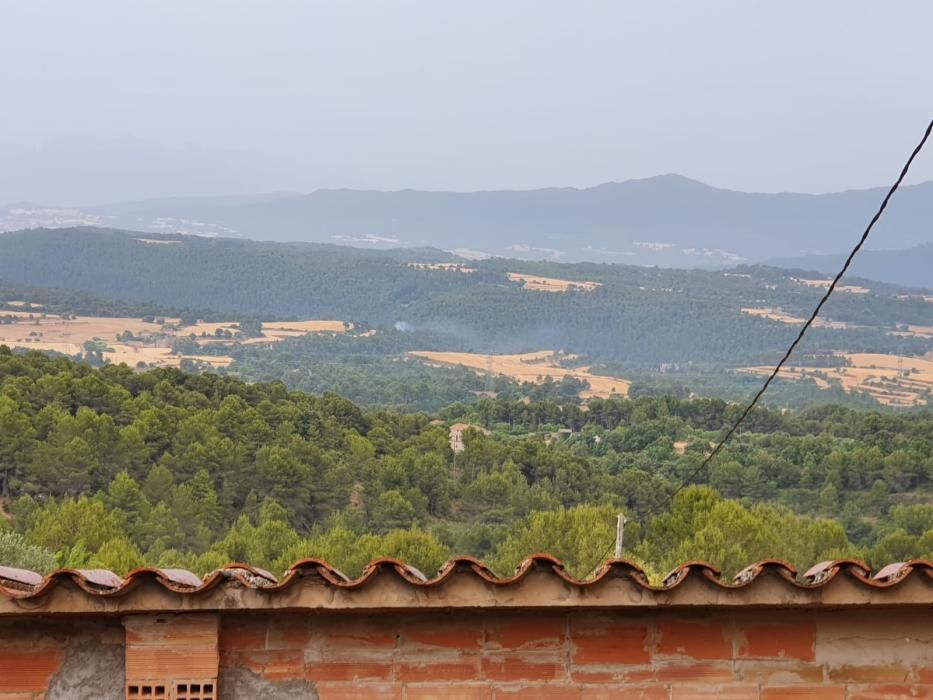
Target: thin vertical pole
point(620, 534)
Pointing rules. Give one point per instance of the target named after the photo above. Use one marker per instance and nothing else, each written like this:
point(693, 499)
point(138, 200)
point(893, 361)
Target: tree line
point(116, 468)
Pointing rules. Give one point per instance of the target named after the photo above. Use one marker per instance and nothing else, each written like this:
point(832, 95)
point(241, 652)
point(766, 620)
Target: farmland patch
point(531, 367)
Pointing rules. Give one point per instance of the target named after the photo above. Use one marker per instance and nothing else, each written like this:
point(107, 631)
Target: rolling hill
point(912, 267)
point(668, 221)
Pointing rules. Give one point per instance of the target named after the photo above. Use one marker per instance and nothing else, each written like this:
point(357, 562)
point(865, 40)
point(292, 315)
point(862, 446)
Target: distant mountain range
point(666, 220)
point(912, 267)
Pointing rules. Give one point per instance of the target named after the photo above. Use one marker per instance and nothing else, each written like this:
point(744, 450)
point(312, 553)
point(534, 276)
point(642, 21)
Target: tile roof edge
point(22, 583)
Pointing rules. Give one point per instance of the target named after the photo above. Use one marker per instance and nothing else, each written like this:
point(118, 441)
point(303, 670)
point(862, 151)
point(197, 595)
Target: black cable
point(829, 290)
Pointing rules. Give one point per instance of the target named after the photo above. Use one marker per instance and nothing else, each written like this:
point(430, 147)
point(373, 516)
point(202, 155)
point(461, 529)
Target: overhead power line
point(829, 290)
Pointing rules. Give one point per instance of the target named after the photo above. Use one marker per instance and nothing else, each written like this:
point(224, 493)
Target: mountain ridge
point(665, 220)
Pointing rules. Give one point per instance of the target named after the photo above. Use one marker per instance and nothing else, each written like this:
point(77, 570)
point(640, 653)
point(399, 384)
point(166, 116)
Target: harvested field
point(159, 357)
point(824, 284)
point(156, 241)
point(24, 303)
point(916, 331)
point(453, 267)
point(893, 380)
point(26, 314)
point(303, 327)
point(530, 367)
point(68, 336)
point(537, 283)
point(153, 343)
point(75, 331)
point(209, 328)
point(779, 315)
point(273, 331)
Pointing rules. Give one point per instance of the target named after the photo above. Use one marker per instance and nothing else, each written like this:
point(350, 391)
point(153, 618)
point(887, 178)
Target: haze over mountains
point(912, 267)
point(667, 220)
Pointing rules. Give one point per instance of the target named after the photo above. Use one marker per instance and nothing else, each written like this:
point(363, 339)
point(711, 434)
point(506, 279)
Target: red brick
point(686, 673)
point(610, 645)
point(447, 691)
point(527, 634)
point(892, 691)
point(289, 633)
point(349, 670)
point(28, 670)
point(625, 692)
point(355, 634)
point(156, 662)
point(779, 672)
point(698, 641)
point(172, 630)
point(356, 691)
point(465, 669)
point(588, 676)
point(550, 691)
point(284, 666)
point(804, 692)
point(523, 667)
point(704, 692)
point(779, 641)
point(868, 674)
point(274, 665)
point(447, 636)
point(925, 675)
point(247, 634)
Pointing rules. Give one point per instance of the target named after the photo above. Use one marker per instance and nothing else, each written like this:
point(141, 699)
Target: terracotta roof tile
point(22, 577)
point(21, 585)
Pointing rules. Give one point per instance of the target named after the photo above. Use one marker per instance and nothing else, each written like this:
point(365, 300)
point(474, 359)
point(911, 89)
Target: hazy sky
point(105, 100)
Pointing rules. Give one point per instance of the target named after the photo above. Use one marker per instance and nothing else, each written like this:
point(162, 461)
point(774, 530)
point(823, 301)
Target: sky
point(108, 100)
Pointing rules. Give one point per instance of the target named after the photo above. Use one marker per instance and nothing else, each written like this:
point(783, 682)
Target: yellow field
point(530, 367)
point(778, 315)
point(455, 267)
point(893, 380)
point(916, 331)
point(52, 329)
point(159, 357)
point(209, 328)
point(68, 336)
point(157, 241)
point(272, 331)
point(537, 283)
point(26, 314)
point(848, 288)
point(304, 327)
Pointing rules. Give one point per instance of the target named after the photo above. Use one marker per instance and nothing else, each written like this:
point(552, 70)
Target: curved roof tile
point(23, 584)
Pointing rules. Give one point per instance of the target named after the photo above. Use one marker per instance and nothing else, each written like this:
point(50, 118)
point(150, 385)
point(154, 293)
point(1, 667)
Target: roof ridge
point(22, 583)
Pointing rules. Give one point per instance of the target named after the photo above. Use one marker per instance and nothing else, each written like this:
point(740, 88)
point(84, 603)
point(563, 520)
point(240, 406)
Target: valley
point(417, 328)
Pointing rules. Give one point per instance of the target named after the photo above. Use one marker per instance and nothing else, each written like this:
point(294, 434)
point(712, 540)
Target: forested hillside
point(911, 266)
point(640, 316)
point(115, 468)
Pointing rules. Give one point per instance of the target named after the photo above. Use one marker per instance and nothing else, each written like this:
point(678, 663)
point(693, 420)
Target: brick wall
point(765, 655)
point(868, 654)
point(61, 660)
